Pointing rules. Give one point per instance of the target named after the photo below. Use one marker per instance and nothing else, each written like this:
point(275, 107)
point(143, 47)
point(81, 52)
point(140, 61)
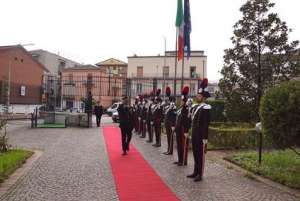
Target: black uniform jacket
point(183, 120)
point(126, 117)
point(170, 116)
point(200, 122)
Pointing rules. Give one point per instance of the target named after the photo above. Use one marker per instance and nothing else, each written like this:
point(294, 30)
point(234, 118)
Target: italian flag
point(180, 30)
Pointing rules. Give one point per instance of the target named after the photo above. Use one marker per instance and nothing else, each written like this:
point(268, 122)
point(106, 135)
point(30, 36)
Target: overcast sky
point(89, 31)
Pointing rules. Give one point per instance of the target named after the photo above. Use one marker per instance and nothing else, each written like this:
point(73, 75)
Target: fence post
point(36, 110)
point(154, 85)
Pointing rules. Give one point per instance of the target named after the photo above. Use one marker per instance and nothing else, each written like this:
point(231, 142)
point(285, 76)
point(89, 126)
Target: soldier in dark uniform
point(144, 117)
point(200, 123)
point(126, 123)
point(182, 126)
point(158, 116)
point(150, 120)
point(139, 111)
point(186, 141)
point(170, 120)
point(135, 115)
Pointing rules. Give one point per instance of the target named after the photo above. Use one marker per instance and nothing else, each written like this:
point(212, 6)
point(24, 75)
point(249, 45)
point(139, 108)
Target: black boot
point(197, 178)
point(191, 175)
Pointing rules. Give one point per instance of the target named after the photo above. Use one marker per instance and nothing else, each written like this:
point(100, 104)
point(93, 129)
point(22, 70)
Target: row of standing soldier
point(150, 112)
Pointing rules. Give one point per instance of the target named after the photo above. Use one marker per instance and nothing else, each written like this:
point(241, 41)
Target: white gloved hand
point(173, 128)
point(204, 141)
point(151, 123)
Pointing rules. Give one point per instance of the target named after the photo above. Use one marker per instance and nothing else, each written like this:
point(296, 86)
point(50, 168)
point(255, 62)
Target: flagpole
point(176, 52)
point(182, 70)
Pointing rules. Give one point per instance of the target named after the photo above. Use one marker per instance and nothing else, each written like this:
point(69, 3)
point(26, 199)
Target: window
point(193, 73)
point(61, 65)
point(166, 71)
point(89, 79)
point(71, 77)
point(139, 72)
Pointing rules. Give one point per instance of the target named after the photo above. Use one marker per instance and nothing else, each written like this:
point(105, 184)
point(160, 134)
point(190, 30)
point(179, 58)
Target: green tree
point(261, 56)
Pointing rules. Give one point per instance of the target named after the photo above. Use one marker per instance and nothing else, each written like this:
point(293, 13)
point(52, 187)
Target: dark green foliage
point(261, 56)
point(238, 109)
point(232, 135)
point(280, 114)
point(280, 166)
point(217, 110)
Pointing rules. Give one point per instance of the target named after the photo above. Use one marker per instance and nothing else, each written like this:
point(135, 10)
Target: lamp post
point(258, 129)
point(109, 72)
point(164, 85)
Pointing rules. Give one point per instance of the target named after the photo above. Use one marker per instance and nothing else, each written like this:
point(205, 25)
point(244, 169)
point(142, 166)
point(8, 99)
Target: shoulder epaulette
point(207, 107)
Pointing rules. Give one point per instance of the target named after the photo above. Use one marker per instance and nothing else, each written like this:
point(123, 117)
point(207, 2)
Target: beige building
point(113, 67)
point(77, 81)
point(162, 68)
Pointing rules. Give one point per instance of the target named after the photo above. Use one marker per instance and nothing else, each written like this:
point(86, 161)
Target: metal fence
point(70, 92)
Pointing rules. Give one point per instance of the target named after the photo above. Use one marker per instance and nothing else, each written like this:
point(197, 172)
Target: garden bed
point(280, 166)
point(232, 136)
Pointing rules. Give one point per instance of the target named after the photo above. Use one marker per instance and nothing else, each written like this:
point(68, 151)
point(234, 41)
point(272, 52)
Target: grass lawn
point(12, 160)
point(280, 166)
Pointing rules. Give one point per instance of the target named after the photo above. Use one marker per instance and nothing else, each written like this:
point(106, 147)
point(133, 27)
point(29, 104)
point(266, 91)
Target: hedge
point(233, 136)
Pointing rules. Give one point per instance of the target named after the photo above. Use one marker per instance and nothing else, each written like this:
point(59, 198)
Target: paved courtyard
point(75, 166)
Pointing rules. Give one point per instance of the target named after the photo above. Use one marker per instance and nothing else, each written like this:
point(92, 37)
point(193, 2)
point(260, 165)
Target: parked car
point(115, 117)
point(112, 108)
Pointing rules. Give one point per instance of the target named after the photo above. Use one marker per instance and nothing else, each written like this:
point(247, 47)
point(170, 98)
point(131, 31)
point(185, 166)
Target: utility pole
point(165, 39)
point(175, 77)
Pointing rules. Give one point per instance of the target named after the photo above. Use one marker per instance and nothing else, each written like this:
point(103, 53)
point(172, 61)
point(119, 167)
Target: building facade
point(113, 67)
point(53, 62)
point(20, 80)
point(76, 82)
point(144, 69)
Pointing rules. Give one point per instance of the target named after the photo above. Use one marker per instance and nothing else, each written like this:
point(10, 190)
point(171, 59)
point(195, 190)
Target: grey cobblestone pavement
point(75, 166)
point(219, 184)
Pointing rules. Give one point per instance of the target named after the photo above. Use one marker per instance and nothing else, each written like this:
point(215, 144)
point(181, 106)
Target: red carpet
point(134, 178)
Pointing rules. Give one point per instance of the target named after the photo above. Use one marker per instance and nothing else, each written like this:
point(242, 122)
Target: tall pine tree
point(261, 57)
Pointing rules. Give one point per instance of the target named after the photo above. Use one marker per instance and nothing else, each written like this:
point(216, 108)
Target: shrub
point(217, 110)
point(232, 138)
point(280, 114)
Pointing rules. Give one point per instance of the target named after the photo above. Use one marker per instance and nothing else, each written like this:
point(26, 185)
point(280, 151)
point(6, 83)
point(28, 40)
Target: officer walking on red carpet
point(200, 123)
point(126, 123)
